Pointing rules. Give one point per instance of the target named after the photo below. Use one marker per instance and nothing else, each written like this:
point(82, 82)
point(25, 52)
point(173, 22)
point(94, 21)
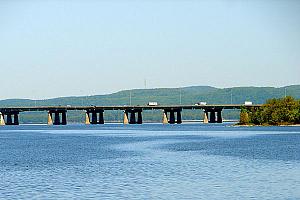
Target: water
point(150, 161)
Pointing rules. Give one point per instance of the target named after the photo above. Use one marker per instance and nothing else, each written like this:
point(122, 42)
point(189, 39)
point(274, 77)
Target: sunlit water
point(189, 161)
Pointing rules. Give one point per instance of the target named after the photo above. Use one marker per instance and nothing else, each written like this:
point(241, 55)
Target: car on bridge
point(201, 103)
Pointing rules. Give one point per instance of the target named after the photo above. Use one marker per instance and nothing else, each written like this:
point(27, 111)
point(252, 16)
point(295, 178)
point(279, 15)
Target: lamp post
point(180, 95)
point(284, 92)
point(231, 96)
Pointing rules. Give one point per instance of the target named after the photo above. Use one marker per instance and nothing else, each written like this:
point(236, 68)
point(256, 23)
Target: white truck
point(202, 103)
point(248, 103)
point(152, 103)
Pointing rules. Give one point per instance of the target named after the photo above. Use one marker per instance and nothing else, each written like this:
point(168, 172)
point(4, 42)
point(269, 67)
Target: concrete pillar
point(125, 120)
point(132, 118)
point(205, 119)
point(56, 118)
point(219, 116)
point(140, 117)
point(50, 121)
point(179, 120)
point(172, 117)
point(101, 117)
point(165, 118)
point(87, 118)
point(2, 121)
point(94, 117)
point(212, 117)
point(16, 119)
point(9, 119)
point(64, 117)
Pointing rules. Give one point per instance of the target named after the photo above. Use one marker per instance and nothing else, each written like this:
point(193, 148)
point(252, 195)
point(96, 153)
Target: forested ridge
point(164, 96)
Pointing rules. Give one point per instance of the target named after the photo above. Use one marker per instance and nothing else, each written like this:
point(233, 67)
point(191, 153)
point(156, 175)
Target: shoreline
point(251, 125)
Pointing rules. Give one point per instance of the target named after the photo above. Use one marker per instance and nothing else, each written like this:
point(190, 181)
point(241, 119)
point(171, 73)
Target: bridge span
point(57, 115)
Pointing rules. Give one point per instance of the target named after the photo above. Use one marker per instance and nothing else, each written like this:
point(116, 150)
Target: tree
point(244, 117)
point(274, 112)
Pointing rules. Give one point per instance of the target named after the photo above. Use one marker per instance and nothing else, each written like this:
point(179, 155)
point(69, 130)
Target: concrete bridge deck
point(125, 107)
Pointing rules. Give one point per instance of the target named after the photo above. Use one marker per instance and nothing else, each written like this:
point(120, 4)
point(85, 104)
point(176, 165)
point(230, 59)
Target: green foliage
point(244, 117)
point(276, 112)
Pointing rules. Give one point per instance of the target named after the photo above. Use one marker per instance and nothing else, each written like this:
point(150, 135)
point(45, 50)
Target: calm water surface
point(150, 161)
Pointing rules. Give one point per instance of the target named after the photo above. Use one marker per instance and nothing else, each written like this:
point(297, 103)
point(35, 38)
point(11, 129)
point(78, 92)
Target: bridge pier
point(2, 121)
point(12, 118)
point(219, 116)
point(97, 117)
point(8, 119)
point(87, 118)
point(50, 121)
point(57, 119)
point(165, 117)
point(131, 118)
point(179, 120)
point(205, 119)
point(94, 118)
point(172, 118)
point(125, 120)
point(140, 117)
point(212, 117)
point(16, 119)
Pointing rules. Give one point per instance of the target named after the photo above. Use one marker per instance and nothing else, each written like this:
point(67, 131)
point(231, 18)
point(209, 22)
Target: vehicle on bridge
point(248, 103)
point(152, 103)
point(202, 103)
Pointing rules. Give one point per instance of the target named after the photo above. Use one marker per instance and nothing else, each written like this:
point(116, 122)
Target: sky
point(72, 48)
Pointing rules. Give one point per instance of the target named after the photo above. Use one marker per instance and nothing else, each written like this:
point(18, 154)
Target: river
point(149, 161)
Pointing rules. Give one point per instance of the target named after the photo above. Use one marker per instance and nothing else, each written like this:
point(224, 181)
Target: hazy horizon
point(77, 48)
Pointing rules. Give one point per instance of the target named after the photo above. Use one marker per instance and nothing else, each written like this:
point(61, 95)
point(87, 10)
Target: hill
point(164, 96)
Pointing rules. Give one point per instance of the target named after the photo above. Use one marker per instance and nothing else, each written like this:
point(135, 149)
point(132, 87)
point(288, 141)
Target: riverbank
point(250, 125)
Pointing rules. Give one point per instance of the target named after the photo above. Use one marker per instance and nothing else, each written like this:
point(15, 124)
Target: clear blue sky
point(61, 48)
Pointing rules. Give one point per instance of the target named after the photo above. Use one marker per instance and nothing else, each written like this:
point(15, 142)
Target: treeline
point(282, 111)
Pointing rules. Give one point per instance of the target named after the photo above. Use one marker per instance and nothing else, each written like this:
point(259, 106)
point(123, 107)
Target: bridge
point(57, 115)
